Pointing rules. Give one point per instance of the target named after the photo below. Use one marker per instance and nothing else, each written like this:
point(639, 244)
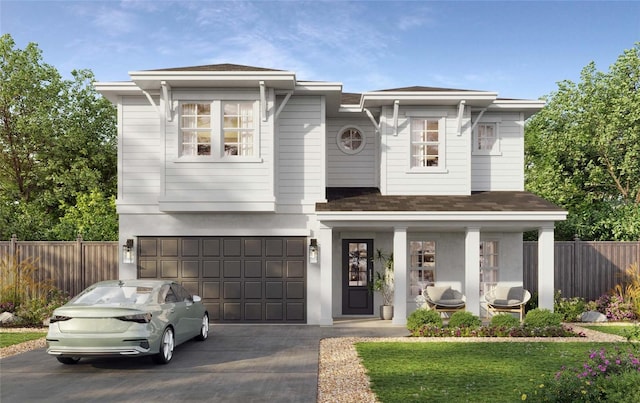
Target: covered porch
point(458, 224)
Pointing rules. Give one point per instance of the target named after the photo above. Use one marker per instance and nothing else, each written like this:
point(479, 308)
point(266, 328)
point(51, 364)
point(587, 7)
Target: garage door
point(240, 279)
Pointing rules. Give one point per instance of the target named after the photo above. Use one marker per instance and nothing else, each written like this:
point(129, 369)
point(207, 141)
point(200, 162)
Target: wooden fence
point(71, 266)
point(582, 268)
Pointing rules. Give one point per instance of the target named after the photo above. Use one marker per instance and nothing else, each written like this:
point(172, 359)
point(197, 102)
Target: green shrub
point(35, 311)
point(422, 317)
point(505, 320)
point(464, 319)
point(569, 308)
point(540, 318)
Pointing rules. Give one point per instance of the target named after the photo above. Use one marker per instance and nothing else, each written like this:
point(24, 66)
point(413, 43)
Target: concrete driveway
point(238, 363)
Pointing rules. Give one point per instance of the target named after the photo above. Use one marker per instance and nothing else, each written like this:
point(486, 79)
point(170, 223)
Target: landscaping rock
point(7, 318)
point(593, 316)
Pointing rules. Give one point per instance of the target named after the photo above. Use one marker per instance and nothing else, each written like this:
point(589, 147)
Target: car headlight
point(58, 318)
point(138, 318)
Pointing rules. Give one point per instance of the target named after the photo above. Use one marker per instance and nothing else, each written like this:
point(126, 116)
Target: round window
point(350, 140)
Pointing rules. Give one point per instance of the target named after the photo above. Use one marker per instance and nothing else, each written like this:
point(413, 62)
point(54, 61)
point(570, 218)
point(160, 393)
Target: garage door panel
point(232, 290)
point(240, 279)
point(169, 269)
point(211, 269)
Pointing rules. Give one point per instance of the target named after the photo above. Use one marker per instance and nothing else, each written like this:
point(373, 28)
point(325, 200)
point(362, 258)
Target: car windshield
point(113, 295)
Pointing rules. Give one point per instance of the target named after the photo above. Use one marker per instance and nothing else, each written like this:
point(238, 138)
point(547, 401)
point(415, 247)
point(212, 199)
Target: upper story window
point(238, 128)
point(427, 142)
point(350, 140)
point(485, 139)
point(195, 127)
point(219, 129)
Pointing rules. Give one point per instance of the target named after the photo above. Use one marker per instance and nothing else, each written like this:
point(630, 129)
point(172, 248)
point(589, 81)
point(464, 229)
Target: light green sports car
point(128, 318)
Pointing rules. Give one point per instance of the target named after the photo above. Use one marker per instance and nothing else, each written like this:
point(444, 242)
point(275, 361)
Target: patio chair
point(443, 299)
point(507, 298)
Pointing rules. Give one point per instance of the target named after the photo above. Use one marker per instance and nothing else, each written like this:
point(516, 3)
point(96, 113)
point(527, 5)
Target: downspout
point(396, 107)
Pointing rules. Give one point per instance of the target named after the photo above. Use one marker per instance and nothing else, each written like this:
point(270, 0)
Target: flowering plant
point(7, 307)
point(615, 308)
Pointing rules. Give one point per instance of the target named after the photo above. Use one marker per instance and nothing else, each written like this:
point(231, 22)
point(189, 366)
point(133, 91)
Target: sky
point(520, 49)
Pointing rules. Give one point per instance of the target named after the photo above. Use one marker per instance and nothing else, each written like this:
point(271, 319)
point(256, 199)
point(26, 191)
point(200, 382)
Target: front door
point(357, 276)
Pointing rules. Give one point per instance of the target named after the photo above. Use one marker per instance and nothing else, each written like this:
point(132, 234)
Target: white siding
point(218, 185)
point(399, 179)
point(357, 170)
point(504, 171)
point(300, 151)
point(139, 176)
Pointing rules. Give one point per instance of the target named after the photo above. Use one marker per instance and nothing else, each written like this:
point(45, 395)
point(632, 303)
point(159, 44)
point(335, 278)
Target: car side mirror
point(196, 298)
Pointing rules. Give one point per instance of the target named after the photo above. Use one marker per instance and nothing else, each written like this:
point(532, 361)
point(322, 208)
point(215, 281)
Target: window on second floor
point(485, 139)
point(427, 143)
point(218, 129)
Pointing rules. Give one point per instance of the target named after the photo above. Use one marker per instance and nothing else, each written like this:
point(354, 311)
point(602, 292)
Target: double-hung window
point(427, 143)
point(422, 266)
point(219, 130)
point(489, 266)
point(486, 140)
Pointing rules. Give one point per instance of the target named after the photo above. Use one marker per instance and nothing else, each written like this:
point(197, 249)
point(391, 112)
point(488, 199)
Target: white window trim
point(339, 138)
point(217, 133)
point(442, 144)
point(433, 268)
point(496, 150)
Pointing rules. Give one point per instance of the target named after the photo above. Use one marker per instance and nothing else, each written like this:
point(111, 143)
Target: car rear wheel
point(204, 328)
point(68, 360)
point(167, 343)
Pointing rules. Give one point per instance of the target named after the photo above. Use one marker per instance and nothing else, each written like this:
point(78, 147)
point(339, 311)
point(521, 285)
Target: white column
point(400, 276)
point(325, 248)
point(472, 269)
point(546, 286)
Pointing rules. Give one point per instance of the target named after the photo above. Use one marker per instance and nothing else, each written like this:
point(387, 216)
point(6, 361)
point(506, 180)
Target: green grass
point(465, 372)
point(8, 338)
point(620, 330)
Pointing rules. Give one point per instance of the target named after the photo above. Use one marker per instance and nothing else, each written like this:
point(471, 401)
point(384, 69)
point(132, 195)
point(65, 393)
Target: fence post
point(13, 247)
point(79, 286)
point(577, 264)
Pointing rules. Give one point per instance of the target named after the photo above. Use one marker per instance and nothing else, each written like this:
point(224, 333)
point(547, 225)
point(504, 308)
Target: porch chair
point(444, 299)
point(507, 298)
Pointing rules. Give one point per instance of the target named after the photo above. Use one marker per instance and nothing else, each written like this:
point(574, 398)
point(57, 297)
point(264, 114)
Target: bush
point(606, 376)
point(504, 320)
point(569, 308)
point(542, 318)
point(464, 319)
point(615, 308)
point(422, 317)
point(35, 311)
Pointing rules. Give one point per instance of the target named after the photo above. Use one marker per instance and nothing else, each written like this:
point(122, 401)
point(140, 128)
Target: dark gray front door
point(240, 279)
point(357, 275)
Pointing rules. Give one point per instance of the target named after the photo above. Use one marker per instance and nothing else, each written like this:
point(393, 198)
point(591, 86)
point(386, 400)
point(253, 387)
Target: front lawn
point(10, 338)
point(465, 372)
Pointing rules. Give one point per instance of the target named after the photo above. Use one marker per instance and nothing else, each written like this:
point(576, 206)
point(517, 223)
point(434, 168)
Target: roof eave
point(152, 79)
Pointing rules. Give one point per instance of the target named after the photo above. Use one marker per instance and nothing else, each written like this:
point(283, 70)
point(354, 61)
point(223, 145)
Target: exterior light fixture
point(127, 252)
point(313, 251)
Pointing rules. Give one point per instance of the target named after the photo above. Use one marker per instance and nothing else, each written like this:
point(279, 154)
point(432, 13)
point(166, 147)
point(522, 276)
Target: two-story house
point(268, 196)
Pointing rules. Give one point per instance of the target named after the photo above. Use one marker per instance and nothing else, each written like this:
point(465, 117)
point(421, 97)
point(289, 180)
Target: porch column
point(546, 264)
point(400, 276)
point(472, 269)
point(325, 249)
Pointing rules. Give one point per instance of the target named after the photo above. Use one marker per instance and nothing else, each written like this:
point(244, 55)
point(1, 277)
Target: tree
point(58, 141)
point(582, 149)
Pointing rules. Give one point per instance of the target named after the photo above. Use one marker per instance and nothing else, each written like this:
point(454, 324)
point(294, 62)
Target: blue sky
point(519, 49)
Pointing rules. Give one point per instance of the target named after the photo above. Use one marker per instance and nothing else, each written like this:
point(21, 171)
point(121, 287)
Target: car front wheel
point(68, 360)
point(167, 343)
point(204, 328)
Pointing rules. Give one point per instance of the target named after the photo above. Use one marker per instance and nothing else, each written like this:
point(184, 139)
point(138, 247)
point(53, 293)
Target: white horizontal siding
point(451, 179)
point(300, 156)
point(506, 170)
point(352, 170)
point(139, 149)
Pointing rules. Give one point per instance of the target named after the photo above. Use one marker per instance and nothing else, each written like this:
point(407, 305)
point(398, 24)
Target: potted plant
point(383, 283)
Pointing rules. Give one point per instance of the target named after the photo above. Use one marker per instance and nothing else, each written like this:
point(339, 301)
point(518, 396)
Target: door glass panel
point(358, 264)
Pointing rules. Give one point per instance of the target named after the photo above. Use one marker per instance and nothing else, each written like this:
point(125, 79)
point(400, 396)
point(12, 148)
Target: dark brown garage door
point(240, 279)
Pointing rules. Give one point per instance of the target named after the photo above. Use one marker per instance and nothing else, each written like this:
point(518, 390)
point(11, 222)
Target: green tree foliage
point(582, 151)
point(58, 142)
point(94, 217)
